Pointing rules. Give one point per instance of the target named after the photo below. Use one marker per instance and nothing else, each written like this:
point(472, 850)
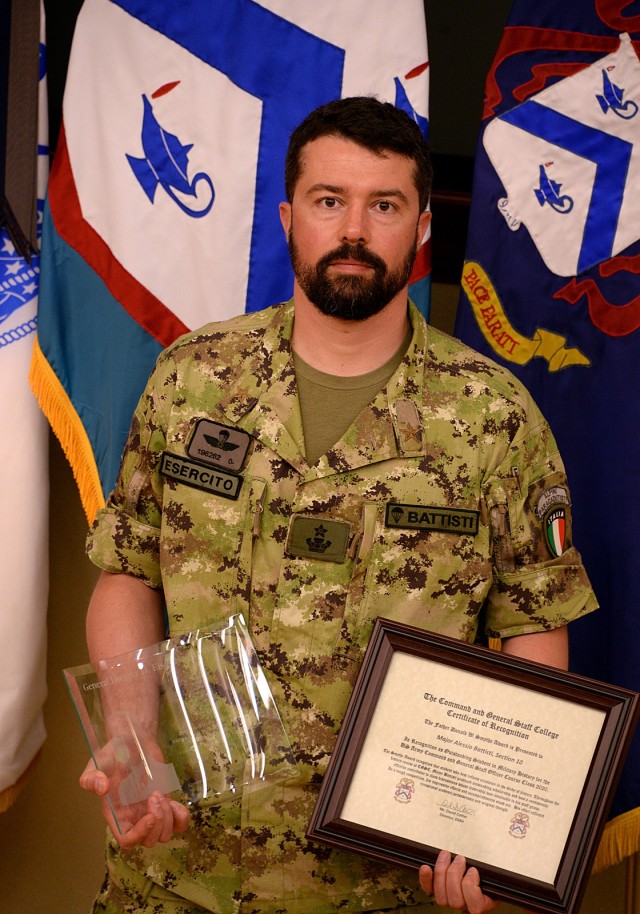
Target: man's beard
point(347, 296)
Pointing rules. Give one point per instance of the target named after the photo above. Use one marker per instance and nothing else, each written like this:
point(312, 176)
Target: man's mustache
point(356, 252)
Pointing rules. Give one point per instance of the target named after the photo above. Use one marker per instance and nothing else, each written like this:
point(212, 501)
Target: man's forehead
point(328, 158)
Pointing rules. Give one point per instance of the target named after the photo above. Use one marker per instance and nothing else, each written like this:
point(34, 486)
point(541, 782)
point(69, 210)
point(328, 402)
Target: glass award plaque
point(192, 716)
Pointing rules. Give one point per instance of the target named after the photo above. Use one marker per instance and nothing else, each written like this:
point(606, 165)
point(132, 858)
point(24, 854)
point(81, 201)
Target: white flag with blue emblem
point(163, 200)
point(569, 159)
point(24, 497)
point(550, 289)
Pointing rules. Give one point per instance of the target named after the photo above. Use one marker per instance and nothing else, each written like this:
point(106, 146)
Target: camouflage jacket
point(444, 506)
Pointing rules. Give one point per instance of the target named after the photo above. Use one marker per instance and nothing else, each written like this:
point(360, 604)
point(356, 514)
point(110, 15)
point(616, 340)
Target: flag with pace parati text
point(163, 199)
point(551, 289)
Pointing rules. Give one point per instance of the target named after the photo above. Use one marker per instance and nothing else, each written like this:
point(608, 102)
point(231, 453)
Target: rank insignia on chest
point(318, 538)
point(422, 517)
point(409, 428)
point(219, 445)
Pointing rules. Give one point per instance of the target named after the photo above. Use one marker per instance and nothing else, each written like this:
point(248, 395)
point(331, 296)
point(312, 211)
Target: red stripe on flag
point(422, 263)
point(70, 224)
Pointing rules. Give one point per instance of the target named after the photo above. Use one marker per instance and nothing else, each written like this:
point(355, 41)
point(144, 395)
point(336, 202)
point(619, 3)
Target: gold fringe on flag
point(68, 429)
point(620, 839)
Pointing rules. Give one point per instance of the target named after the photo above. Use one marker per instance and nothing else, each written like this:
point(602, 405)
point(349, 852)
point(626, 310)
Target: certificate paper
point(507, 762)
point(493, 781)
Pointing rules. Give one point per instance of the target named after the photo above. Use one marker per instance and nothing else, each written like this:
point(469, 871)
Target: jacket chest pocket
point(207, 545)
point(435, 579)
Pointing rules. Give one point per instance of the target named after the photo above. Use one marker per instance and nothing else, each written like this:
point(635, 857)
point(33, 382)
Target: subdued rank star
point(411, 431)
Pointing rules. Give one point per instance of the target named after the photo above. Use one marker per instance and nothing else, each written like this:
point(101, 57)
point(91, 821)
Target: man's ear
point(285, 218)
point(423, 225)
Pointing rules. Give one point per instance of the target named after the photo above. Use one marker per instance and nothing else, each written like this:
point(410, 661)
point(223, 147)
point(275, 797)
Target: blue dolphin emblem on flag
point(611, 98)
point(548, 192)
point(165, 163)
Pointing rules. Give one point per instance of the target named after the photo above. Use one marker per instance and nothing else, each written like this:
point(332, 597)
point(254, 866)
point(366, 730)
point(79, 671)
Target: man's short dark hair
point(377, 126)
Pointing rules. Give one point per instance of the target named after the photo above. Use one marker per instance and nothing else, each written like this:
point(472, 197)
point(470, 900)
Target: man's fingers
point(94, 781)
point(454, 877)
point(474, 898)
point(164, 818)
point(181, 817)
point(440, 870)
point(453, 886)
point(161, 829)
point(425, 874)
point(137, 834)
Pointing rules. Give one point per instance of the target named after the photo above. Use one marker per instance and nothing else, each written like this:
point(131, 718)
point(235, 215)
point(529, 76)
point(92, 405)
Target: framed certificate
point(452, 746)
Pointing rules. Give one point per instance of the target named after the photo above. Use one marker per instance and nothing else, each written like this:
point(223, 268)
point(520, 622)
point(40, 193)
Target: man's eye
point(329, 202)
point(385, 206)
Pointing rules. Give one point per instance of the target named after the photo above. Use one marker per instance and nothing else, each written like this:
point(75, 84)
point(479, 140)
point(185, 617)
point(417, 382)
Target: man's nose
point(355, 227)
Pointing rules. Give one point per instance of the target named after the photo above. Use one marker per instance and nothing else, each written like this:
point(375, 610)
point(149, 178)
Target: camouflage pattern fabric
point(136, 894)
point(444, 506)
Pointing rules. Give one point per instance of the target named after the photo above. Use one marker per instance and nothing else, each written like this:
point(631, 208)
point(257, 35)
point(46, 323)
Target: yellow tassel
point(620, 839)
point(69, 430)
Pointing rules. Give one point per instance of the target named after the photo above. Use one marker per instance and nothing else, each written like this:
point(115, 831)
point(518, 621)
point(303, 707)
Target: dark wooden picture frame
point(620, 708)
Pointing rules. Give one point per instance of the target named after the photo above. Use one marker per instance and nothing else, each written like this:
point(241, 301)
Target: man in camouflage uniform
point(427, 500)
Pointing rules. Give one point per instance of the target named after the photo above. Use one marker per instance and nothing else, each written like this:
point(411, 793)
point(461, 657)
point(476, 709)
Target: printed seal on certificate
point(510, 763)
point(192, 716)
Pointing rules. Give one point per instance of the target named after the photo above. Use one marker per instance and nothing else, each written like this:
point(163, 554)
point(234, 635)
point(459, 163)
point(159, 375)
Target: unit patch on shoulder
point(423, 517)
point(552, 508)
point(198, 476)
point(219, 445)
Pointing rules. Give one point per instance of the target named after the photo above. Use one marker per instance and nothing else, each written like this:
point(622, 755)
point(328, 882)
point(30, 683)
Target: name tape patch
point(198, 476)
point(422, 517)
